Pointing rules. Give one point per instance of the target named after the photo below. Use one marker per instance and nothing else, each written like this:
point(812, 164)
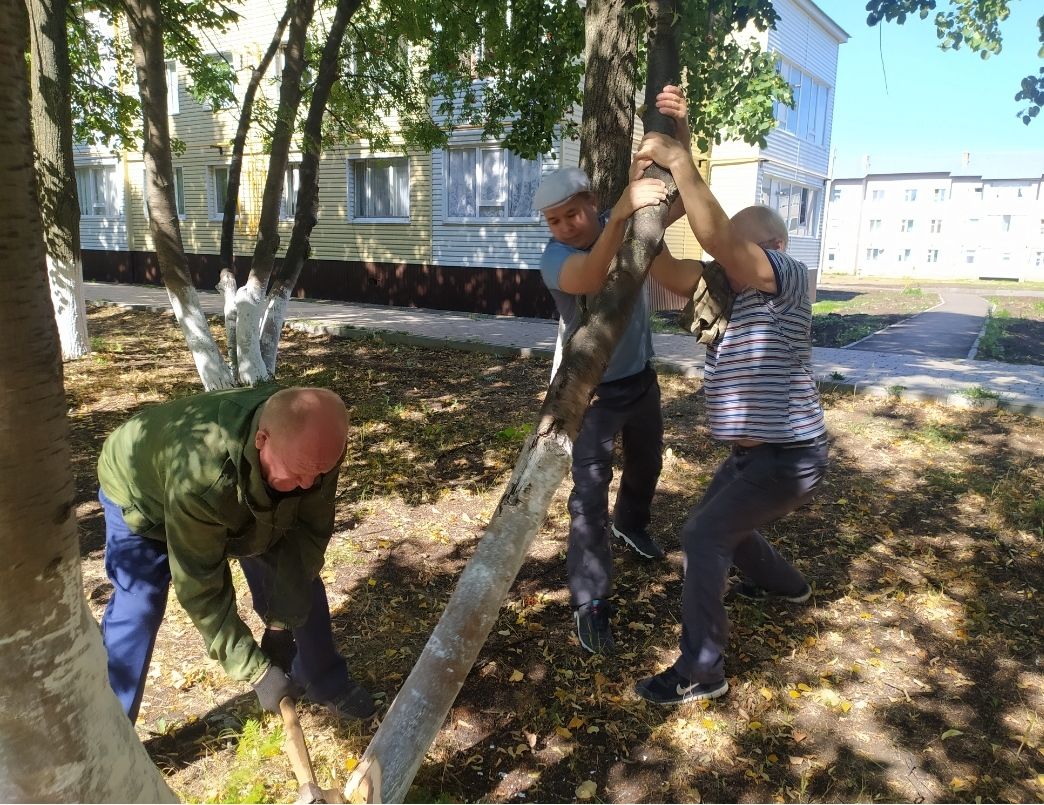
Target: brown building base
point(500, 291)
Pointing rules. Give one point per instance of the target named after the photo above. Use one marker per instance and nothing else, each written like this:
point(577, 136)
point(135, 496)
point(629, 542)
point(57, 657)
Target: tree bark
point(227, 282)
point(146, 34)
point(55, 172)
point(307, 212)
point(394, 755)
point(250, 298)
point(63, 735)
point(607, 125)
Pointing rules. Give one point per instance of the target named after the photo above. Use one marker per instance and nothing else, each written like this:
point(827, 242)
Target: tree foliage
point(975, 24)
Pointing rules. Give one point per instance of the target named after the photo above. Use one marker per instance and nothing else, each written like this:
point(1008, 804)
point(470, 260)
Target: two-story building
point(975, 216)
point(449, 229)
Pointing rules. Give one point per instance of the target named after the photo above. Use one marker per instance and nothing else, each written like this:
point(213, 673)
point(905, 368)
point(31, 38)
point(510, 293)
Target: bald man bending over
point(186, 485)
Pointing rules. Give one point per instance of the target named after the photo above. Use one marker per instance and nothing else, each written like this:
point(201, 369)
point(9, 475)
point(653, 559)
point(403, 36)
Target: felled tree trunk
point(63, 735)
point(55, 172)
point(251, 297)
point(227, 281)
point(146, 34)
point(397, 750)
point(307, 212)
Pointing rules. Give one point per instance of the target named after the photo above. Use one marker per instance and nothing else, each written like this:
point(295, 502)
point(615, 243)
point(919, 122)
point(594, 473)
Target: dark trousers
point(140, 574)
point(754, 487)
point(631, 407)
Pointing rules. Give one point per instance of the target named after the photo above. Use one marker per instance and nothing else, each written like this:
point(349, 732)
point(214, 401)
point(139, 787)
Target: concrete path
point(916, 377)
point(949, 330)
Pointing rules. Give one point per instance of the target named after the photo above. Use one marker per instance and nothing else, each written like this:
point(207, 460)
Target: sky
point(923, 100)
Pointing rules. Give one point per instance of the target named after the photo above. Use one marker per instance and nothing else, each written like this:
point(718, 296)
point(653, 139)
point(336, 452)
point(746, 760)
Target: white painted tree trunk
point(250, 300)
point(272, 329)
point(63, 735)
point(70, 310)
point(212, 369)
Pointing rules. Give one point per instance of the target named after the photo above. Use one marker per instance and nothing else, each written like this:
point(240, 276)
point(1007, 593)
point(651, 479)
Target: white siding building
point(982, 218)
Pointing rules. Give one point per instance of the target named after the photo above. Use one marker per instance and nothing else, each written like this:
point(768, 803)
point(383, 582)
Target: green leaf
point(951, 734)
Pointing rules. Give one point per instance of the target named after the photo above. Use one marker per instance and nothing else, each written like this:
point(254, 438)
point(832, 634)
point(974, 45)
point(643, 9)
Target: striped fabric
point(758, 378)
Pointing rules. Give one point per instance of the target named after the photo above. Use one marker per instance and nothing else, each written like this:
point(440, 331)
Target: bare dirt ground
point(916, 672)
point(1015, 330)
point(844, 316)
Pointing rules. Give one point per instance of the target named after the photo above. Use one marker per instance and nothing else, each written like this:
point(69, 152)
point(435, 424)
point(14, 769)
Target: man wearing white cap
point(627, 401)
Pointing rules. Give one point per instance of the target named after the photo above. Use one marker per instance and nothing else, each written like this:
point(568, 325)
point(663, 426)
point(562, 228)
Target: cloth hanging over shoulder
point(706, 315)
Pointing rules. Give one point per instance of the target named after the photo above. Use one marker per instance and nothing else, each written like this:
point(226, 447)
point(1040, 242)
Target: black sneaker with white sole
point(592, 626)
point(670, 687)
point(640, 542)
point(752, 591)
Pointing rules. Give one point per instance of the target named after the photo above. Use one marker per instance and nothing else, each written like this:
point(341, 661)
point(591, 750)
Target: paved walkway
point(951, 329)
point(916, 377)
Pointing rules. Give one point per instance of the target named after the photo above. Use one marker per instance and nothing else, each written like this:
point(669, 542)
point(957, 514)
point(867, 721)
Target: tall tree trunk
point(415, 717)
point(227, 282)
point(611, 48)
point(55, 172)
point(250, 298)
point(307, 212)
point(146, 34)
point(63, 735)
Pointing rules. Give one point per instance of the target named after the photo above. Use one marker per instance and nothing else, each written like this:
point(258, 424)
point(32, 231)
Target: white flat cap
point(560, 186)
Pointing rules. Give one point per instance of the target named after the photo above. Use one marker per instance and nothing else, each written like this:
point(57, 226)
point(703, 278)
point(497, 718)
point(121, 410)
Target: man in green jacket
point(186, 485)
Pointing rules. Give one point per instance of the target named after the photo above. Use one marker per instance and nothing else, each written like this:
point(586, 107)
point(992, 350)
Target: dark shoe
point(354, 704)
point(592, 626)
point(670, 687)
point(752, 591)
point(640, 542)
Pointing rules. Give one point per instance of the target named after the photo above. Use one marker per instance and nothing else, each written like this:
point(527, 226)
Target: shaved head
point(762, 225)
point(300, 436)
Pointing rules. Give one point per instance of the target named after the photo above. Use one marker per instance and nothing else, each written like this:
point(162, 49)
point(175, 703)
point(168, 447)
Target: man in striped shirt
point(761, 398)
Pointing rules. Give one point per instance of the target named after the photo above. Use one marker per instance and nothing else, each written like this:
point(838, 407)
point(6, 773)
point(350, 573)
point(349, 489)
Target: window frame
point(111, 207)
point(291, 186)
point(806, 120)
point(478, 148)
point(352, 188)
point(173, 99)
point(216, 211)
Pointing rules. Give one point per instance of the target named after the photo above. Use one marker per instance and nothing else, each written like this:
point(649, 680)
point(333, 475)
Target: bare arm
point(744, 261)
point(678, 276)
point(585, 273)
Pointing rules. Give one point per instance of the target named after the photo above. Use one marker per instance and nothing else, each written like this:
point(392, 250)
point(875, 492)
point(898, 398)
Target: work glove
point(279, 646)
point(707, 313)
point(273, 686)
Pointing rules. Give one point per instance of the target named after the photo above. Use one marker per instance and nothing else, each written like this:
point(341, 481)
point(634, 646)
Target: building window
point(978, 193)
point(380, 188)
point(903, 256)
point(217, 190)
point(875, 224)
point(969, 256)
point(1042, 226)
point(835, 193)
point(1005, 223)
point(831, 256)
point(797, 204)
point(490, 184)
point(291, 184)
point(907, 225)
point(910, 194)
point(807, 118)
point(179, 191)
point(877, 195)
point(939, 194)
point(873, 254)
point(933, 255)
point(936, 227)
point(1038, 260)
point(173, 107)
point(96, 187)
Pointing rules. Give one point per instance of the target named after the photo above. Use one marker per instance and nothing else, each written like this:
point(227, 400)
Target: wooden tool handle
point(295, 746)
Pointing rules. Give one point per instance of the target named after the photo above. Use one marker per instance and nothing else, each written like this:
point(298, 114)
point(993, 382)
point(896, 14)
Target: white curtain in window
point(460, 183)
point(382, 188)
point(83, 190)
point(525, 176)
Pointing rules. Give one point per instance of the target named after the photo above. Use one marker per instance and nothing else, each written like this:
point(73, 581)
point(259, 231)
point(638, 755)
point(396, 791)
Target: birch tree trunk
point(55, 172)
point(227, 282)
point(63, 735)
point(307, 212)
point(250, 298)
point(610, 54)
point(146, 34)
point(397, 750)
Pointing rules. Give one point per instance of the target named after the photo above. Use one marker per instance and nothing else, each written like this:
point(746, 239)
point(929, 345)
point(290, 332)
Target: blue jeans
point(140, 576)
point(755, 486)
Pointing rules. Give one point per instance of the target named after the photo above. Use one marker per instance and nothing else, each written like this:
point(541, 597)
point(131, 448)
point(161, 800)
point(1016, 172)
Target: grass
point(1014, 331)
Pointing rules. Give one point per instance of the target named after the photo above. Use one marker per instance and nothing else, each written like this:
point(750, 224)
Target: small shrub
point(912, 290)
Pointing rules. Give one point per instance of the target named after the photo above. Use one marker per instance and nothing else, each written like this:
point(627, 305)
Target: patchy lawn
point(1014, 331)
point(842, 317)
point(915, 673)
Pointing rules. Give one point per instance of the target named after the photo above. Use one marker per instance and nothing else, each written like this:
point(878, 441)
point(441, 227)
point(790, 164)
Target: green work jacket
point(187, 472)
